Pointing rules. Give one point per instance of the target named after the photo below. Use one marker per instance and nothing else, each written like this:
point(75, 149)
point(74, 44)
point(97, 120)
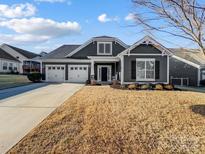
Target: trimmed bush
point(34, 77)
point(145, 87)
point(169, 87)
point(132, 87)
point(158, 87)
point(87, 82)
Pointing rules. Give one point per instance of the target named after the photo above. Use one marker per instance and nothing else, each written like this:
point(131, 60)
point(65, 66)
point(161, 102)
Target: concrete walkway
point(21, 113)
point(195, 89)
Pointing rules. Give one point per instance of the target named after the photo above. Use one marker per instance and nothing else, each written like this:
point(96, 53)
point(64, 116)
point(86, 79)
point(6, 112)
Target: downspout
point(199, 76)
point(122, 69)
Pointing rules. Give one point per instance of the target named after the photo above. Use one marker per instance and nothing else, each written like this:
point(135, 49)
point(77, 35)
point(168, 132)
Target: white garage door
point(77, 73)
point(55, 73)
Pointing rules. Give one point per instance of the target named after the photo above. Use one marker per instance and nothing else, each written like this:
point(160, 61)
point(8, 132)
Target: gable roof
point(5, 55)
point(25, 53)
point(147, 40)
point(192, 55)
point(98, 38)
point(61, 52)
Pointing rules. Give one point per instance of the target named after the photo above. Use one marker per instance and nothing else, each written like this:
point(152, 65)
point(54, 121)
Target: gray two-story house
point(105, 58)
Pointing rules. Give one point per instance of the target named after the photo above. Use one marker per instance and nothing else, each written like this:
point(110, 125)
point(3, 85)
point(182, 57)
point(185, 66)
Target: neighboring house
point(106, 58)
point(8, 63)
point(187, 67)
point(28, 63)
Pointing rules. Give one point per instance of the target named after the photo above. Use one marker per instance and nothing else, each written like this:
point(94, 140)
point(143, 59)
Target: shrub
point(169, 87)
point(87, 82)
point(202, 82)
point(34, 77)
point(132, 87)
point(145, 87)
point(158, 87)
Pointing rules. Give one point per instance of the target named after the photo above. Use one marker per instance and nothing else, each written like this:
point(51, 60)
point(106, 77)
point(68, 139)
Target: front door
point(104, 74)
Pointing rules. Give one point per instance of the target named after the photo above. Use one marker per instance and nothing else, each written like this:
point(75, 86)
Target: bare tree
point(181, 18)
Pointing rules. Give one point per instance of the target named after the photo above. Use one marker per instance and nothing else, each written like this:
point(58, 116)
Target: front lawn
point(106, 120)
point(9, 80)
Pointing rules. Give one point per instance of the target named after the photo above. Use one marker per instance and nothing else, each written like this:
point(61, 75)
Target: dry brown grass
point(106, 120)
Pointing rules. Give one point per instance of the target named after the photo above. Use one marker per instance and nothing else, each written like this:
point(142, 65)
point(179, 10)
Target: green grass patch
point(8, 81)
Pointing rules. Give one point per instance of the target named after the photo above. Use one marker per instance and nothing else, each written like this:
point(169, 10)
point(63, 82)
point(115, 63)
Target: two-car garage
point(70, 73)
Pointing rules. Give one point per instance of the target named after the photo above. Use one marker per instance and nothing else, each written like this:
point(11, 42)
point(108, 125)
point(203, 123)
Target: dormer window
point(104, 48)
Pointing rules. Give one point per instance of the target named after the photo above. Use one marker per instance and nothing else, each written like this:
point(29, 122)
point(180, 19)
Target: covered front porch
point(104, 69)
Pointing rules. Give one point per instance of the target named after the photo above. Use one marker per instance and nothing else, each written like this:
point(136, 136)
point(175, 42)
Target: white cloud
point(17, 10)
point(38, 29)
point(22, 38)
point(51, 1)
point(103, 18)
point(130, 17)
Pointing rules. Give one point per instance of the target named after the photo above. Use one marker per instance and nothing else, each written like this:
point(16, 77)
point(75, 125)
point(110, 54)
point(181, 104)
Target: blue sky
point(43, 25)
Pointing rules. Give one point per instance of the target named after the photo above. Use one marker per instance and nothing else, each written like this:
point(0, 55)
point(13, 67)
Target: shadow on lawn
point(6, 93)
point(199, 109)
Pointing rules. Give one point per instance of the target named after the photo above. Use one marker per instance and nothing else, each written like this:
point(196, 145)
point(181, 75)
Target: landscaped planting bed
point(100, 119)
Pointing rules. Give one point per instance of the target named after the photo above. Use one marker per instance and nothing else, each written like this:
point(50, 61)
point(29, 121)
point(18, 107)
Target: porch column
point(122, 69)
point(92, 74)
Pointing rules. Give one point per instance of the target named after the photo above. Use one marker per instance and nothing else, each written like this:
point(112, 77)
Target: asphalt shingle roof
point(191, 55)
point(25, 53)
point(5, 55)
point(61, 52)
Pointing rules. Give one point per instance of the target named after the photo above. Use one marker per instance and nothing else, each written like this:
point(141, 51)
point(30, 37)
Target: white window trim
point(145, 59)
point(98, 74)
point(3, 65)
point(98, 43)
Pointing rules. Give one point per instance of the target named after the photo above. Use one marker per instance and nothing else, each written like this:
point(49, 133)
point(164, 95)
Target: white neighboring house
point(28, 61)
point(8, 63)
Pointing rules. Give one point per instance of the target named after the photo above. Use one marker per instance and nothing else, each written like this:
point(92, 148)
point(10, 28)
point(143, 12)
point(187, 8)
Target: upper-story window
point(104, 48)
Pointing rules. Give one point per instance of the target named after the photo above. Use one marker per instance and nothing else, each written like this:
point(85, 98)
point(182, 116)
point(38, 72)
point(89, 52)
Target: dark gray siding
point(91, 50)
point(145, 49)
point(127, 67)
point(66, 67)
point(179, 69)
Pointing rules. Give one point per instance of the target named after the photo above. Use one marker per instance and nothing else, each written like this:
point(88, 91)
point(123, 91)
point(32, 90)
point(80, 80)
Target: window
point(104, 48)
point(10, 66)
point(203, 75)
point(49, 68)
point(85, 68)
point(145, 69)
point(80, 68)
point(5, 66)
point(62, 68)
point(58, 68)
point(76, 68)
point(54, 68)
point(71, 68)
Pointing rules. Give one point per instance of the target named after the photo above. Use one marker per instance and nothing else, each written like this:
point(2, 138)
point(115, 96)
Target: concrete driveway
point(21, 113)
